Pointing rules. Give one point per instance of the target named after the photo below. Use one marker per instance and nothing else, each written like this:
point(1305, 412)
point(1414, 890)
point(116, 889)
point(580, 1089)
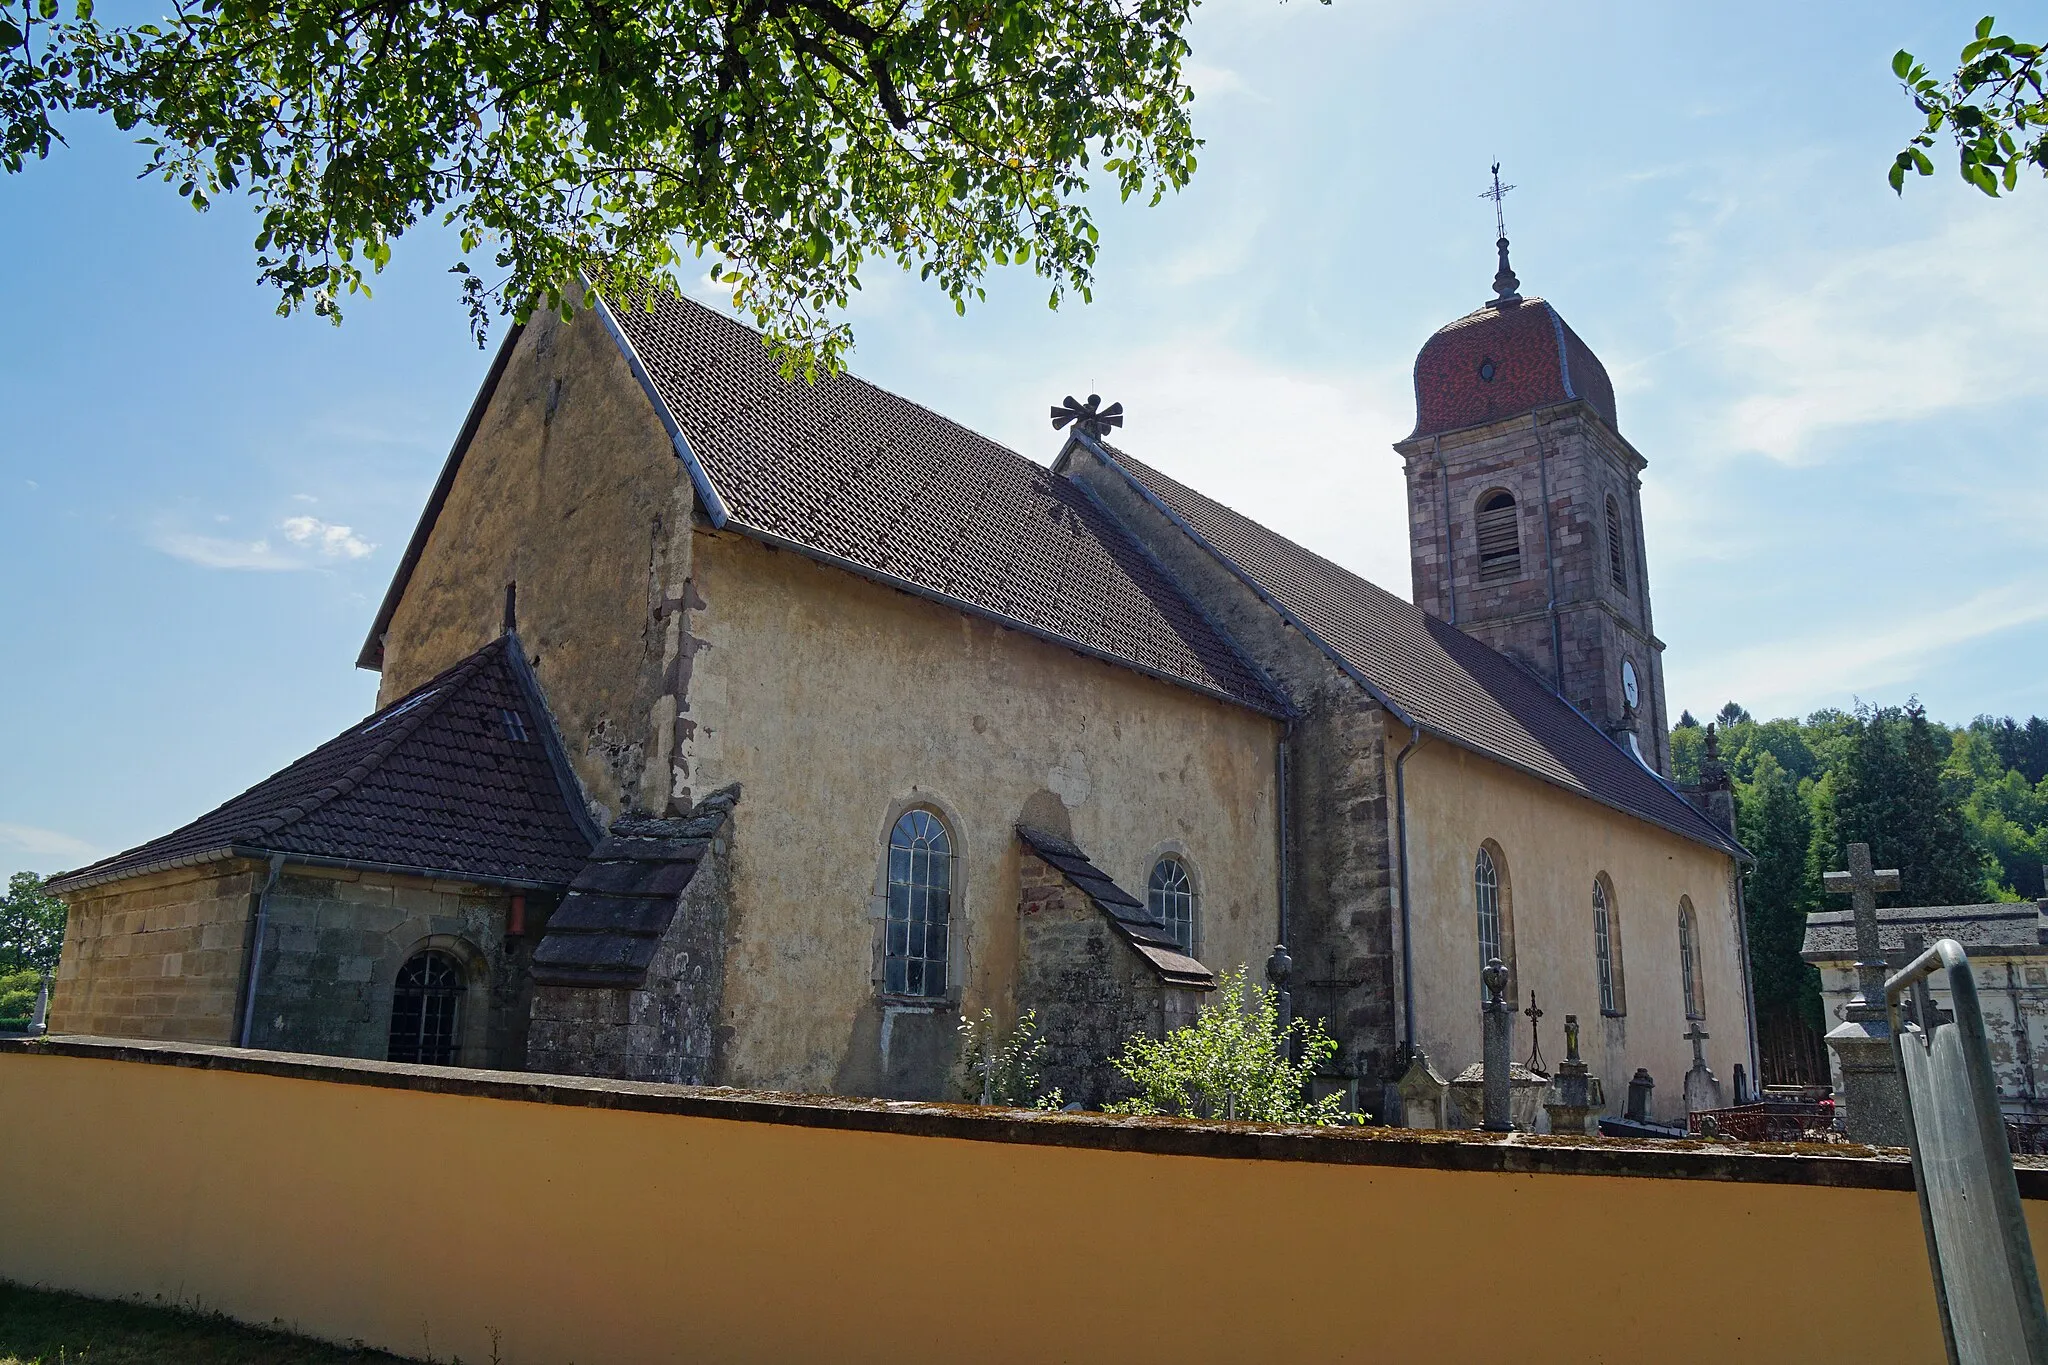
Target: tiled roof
point(1453, 685)
point(1143, 930)
point(607, 928)
point(1496, 363)
point(846, 472)
point(462, 778)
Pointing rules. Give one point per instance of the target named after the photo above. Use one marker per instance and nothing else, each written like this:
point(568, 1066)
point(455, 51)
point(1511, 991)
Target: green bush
point(1233, 1063)
point(18, 998)
point(1003, 1068)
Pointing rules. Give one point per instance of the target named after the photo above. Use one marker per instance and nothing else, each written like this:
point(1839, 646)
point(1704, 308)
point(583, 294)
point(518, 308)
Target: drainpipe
point(256, 950)
point(1443, 479)
point(1278, 965)
point(1415, 738)
point(1549, 558)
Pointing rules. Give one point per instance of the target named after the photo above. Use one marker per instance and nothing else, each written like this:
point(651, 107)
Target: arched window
point(920, 906)
point(1170, 894)
point(1500, 538)
point(1486, 892)
point(426, 1010)
point(1607, 948)
point(1688, 964)
point(1617, 557)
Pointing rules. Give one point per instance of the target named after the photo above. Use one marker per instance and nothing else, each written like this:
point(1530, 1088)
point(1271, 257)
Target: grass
point(42, 1328)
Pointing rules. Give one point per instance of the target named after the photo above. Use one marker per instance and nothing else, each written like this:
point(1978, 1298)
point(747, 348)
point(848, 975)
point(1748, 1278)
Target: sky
point(1841, 393)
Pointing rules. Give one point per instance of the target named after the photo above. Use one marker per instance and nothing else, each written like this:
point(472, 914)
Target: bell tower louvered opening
point(1500, 539)
point(1617, 558)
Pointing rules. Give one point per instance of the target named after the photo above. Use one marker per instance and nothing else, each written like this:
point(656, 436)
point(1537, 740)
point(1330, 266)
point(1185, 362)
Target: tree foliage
point(1233, 1062)
point(1961, 812)
point(1994, 108)
point(31, 926)
point(791, 141)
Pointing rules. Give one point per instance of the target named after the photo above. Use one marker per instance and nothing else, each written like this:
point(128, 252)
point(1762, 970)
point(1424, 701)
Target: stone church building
point(742, 731)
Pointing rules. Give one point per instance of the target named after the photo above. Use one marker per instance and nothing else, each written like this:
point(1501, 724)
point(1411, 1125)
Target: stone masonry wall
point(1341, 886)
point(335, 940)
point(1090, 988)
point(1599, 624)
point(158, 956)
point(673, 1029)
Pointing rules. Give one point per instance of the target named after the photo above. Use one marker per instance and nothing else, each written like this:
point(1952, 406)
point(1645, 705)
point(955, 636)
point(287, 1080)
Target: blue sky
point(1841, 394)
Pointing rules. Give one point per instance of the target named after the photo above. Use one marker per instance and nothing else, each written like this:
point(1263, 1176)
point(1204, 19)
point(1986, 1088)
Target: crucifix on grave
point(1535, 1016)
point(1869, 1096)
point(1702, 1088)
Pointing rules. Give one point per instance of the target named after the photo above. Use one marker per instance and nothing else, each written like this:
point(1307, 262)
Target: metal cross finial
point(1089, 418)
point(1505, 284)
point(1535, 1017)
point(1861, 883)
point(1496, 194)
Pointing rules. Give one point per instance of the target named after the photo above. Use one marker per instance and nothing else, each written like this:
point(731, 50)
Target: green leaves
point(1995, 109)
point(576, 142)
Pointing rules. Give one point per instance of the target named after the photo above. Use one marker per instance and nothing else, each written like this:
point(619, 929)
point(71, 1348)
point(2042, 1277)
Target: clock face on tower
point(1630, 692)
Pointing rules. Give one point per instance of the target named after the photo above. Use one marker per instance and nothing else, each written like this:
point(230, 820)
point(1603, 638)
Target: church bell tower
point(1525, 510)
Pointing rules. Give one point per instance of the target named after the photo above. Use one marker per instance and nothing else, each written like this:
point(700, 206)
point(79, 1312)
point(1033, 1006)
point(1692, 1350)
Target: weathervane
point(1504, 282)
point(1090, 419)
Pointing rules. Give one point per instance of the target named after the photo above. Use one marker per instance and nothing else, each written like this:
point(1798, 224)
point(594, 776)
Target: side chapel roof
point(1132, 919)
point(849, 474)
point(1451, 684)
point(463, 778)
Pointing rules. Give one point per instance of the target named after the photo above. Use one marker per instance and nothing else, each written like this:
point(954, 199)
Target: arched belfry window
point(1607, 948)
point(1617, 556)
point(920, 906)
point(426, 1010)
point(1496, 918)
point(1688, 960)
point(1500, 538)
point(1170, 895)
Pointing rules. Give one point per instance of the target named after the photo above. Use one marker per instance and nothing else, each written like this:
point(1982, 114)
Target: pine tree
point(1888, 792)
point(1780, 890)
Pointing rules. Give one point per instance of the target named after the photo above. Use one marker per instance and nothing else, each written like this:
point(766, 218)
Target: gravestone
point(1421, 1091)
point(1572, 1090)
point(1499, 1014)
point(1869, 1096)
point(1702, 1089)
point(39, 1018)
point(1640, 1087)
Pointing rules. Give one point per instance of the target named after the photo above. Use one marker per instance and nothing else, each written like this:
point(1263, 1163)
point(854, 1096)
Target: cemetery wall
point(548, 1219)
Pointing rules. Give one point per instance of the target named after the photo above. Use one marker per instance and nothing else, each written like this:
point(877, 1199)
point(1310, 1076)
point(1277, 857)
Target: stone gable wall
point(1090, 988)
point(159, 956)
point(674, 1028)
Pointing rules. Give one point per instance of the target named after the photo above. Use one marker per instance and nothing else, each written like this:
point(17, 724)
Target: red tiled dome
point(1500, 362)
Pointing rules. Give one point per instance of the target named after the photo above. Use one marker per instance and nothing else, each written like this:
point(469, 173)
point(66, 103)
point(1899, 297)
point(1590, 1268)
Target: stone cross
point(1499, 1014)
point(1697, 1035)
point(1870, 1098)
point(1861, 883)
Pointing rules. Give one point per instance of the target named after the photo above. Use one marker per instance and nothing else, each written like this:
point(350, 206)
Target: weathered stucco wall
point(838, 703)
point(158, 956)
point(454, 1216)
point(571, 490)
point(1553, 845)
point(333, 943)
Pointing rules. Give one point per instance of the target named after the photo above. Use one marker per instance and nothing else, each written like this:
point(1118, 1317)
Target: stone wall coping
point(1842, 1166)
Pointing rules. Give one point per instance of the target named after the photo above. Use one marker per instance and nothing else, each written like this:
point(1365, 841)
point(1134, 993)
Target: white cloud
point(1217, 82)
point(216, 552)
point(304, 497)
point(333, 542)
point(1887, 334)
point(30, 842)
point(1866, 657)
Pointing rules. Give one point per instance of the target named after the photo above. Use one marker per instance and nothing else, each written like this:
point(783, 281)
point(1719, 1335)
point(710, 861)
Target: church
point(742, 731)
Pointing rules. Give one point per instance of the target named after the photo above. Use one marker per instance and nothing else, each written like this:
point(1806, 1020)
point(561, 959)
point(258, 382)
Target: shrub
point(1233, 1063)
point(1003, 1068)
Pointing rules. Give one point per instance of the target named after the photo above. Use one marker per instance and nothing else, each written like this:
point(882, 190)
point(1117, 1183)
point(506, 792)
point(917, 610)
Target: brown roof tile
point(438, 783)
point(1453, 685)
point(1143, 930)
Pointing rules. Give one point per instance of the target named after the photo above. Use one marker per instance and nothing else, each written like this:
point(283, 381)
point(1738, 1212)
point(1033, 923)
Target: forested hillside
point(1962, 813)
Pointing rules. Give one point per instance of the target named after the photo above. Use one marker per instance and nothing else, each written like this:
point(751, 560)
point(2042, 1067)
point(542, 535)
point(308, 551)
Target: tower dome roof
point(1503, 360)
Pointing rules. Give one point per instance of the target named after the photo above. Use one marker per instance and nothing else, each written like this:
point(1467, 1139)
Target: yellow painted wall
point(157, 956)
point(1555, 845)
point(539, 1234)
point(571, 489)
point(836, 702)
